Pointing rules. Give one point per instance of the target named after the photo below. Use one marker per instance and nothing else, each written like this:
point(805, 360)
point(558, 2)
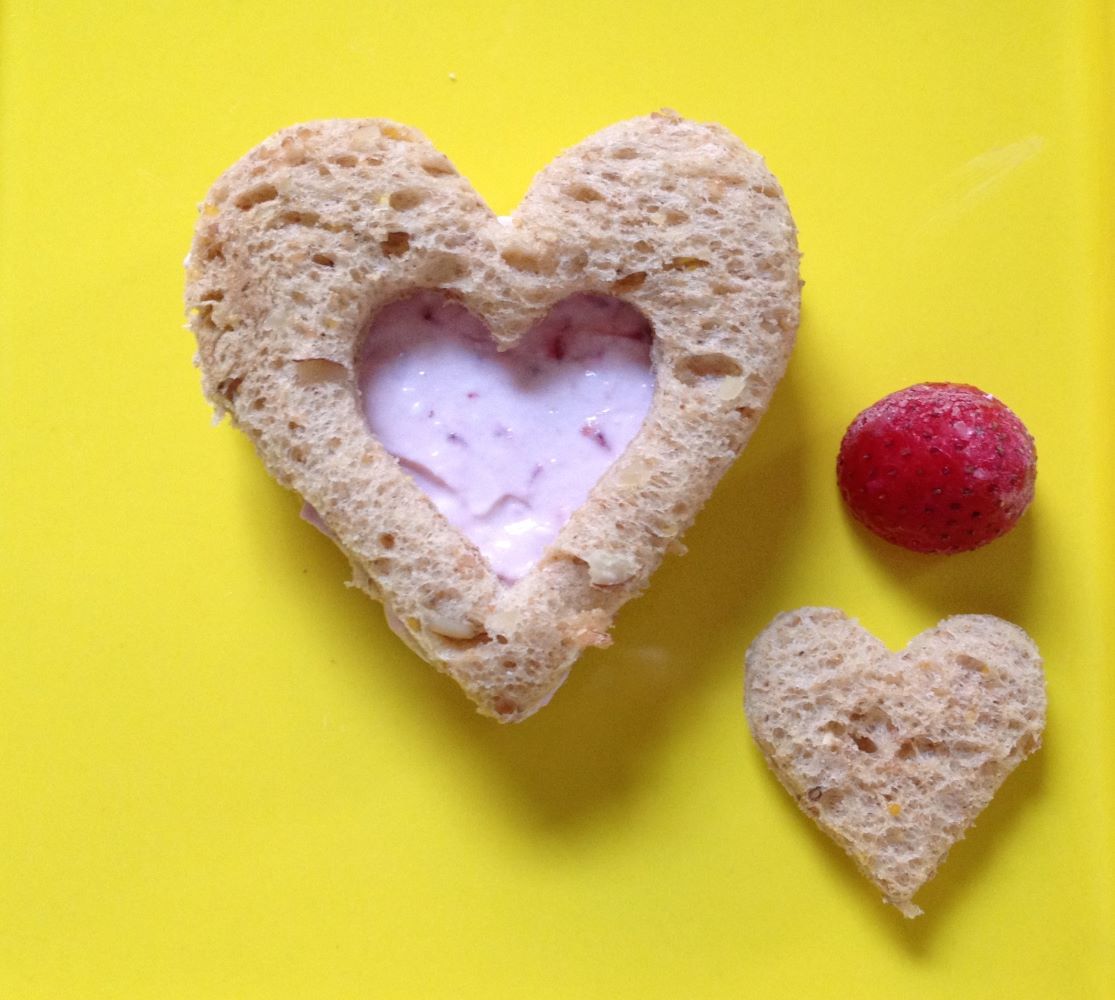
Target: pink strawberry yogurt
point(506, 444)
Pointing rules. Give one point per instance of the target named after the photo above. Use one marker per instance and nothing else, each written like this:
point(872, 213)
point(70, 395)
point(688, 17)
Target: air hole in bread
point(685, 264)
point(324, 259)
point(504, 706)
point(298, 218)
point(698, 368)
point(215, 251)
point(625, 153)
point(317, 371)
point(438, 168)
point(445, 268)
point(256, 196)
point(406, 199)
point(873, 718)
point(387, 540)
point(215, 295)
point(919, 746)
point(864, 743)
point(971, 663)
point(528, 263)
point(629, 282)
point(344, 160)
point(583, 193)
point(463, 643)
point(396, 244)
point(259, 403)
point(228, 387)
point(203, 316)
point(675, 218)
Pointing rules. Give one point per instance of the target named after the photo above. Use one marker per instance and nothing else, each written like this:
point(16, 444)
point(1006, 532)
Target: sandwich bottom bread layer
point(303, 242)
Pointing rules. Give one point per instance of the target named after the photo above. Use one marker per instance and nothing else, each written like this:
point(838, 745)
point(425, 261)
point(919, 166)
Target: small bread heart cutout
point(304, 242)
point(894, 755)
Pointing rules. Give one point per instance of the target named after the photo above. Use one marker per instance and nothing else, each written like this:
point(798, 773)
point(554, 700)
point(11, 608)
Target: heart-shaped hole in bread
point(508, 443)
point(302, 244)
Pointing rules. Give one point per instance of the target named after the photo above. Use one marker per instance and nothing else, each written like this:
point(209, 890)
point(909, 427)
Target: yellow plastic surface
point(221, 775)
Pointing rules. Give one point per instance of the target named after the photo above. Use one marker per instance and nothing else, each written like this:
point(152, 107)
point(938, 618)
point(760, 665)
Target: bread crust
point(301, 242)
point(894, 755)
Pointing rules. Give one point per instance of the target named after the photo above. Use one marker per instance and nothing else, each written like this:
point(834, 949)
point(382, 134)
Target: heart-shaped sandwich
point(333, 238)
point(894, 755)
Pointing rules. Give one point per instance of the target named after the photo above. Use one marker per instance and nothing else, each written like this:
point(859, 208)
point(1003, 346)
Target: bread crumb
point(608, 569)
point(634, 474)
point(364, 138)
point(452, 628)
point(502, 622)
point(731, 388)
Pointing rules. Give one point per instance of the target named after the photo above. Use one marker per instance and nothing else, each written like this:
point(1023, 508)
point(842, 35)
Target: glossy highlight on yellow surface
point(223, 776)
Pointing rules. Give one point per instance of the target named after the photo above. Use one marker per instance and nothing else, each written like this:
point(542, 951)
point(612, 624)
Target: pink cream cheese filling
point(506, 444)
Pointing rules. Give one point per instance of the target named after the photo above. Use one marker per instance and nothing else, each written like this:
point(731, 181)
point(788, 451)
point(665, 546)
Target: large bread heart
point(894, 755)
point(301, 243)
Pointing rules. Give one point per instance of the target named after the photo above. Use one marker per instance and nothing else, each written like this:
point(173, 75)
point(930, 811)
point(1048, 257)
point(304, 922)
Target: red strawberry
point(937, 467)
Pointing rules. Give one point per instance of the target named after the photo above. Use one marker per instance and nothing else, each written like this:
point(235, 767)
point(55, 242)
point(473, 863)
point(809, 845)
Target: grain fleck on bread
point(894, 755)
point(302, 241)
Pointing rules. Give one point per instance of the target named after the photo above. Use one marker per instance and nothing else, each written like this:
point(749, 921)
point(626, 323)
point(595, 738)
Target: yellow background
point(220, 775)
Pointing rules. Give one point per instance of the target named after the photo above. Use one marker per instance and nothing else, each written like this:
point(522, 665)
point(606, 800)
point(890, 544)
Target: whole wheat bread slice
point(300, 243)
point(894, 755)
